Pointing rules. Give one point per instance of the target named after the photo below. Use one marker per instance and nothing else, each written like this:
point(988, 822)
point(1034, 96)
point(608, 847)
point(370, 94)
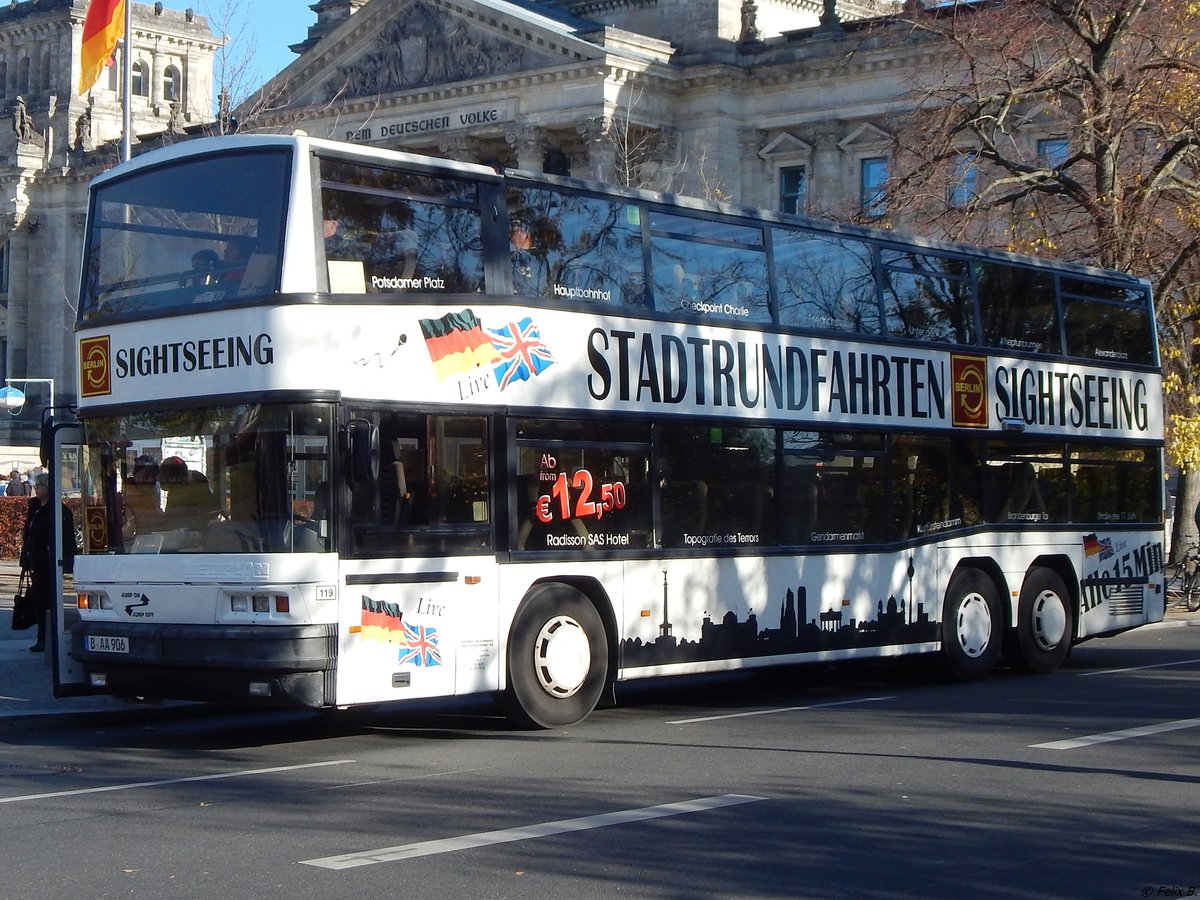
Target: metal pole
point(126, 80)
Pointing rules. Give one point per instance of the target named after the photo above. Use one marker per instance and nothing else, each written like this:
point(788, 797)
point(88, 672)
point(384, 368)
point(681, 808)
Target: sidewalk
point(27, 683)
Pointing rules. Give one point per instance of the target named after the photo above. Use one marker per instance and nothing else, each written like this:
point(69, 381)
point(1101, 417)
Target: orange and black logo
point(969, 395)
point(96, 528)
point(95, 373)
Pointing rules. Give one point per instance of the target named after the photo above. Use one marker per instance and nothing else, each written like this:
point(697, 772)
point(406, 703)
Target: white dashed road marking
point(1123, 735)
point(143, 784)
point(526, 832)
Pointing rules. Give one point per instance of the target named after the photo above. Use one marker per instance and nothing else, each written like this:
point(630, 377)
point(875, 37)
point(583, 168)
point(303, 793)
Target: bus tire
point(972, 633)
point(1045, 624)
point(557, 657)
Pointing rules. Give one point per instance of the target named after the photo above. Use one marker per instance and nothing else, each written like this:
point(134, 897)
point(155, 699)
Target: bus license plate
point(97, 643)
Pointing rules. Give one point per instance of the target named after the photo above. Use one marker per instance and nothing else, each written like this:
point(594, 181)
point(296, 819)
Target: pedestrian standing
point(16, 487)
point(37, 551)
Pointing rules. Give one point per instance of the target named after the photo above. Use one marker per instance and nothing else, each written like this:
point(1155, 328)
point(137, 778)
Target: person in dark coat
point(16, 487)
point(37, 551)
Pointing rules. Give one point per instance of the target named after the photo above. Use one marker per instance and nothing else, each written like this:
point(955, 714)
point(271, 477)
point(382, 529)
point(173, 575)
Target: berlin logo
point(969, 378)
point(94, 373)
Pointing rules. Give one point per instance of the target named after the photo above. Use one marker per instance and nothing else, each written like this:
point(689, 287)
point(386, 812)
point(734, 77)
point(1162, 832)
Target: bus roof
point(300, 142)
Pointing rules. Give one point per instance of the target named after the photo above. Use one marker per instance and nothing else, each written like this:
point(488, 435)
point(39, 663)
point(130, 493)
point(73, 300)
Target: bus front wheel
point(1042, 638)
point(557, 657)
point(971, 625)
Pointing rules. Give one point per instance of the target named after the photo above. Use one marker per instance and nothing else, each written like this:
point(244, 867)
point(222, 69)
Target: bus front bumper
point(290, 665)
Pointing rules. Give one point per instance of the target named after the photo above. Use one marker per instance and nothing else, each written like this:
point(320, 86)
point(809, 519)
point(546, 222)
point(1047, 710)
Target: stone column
point(457, 147)
point(755, 186)
point(529, 146)
point(601, 154)
point(156, 76)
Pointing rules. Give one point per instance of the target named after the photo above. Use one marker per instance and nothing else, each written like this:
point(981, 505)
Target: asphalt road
point(872, 781)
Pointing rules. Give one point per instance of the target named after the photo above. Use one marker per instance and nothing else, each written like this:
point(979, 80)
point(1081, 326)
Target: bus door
point(61, 450)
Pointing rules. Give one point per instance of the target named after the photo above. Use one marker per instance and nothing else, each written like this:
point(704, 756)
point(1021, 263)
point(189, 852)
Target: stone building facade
point(775, 103)
point(58, 141)
point(770, 103)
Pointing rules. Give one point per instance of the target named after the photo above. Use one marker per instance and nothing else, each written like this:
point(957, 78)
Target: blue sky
point(268, 25)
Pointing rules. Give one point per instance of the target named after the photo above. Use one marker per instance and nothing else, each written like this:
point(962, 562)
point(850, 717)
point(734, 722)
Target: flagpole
point(126, 81)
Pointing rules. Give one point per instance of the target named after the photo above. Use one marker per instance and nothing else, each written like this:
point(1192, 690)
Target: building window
point(963, 180)
point(1052, 152)
point(23, 75)
point(4, 269)
point(141, 84)
point(3, 79)
point(171, 84)
point(793, 190)
point(555, 162)
point(44, 81)
point(873, 174)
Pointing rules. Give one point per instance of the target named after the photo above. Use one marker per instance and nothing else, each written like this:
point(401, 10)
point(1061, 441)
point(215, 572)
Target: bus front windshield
point(249, 478)
point(202, 230)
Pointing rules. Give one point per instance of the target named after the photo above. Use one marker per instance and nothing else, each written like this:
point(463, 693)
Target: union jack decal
point(1092, 545)
point(422, 646)
point(522, 353)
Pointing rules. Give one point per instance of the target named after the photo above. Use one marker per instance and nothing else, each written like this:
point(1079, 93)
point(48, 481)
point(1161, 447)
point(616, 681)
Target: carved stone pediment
point(426, 45)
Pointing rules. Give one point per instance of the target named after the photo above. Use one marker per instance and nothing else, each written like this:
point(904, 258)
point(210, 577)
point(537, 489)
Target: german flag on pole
point(102, 28)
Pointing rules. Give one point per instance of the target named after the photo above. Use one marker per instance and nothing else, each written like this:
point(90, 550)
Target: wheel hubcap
point(974, 625)
point(1049, 620)
point(562, 656)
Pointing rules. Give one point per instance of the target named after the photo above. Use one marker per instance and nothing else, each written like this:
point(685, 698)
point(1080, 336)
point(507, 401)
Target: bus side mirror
point(364, 451)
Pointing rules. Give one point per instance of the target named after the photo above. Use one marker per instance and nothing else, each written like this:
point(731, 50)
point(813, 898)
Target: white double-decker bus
point(451, 430)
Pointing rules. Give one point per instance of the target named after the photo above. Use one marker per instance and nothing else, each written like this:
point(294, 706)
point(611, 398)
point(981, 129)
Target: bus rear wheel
point(557, 657)
point(971, 625)
point(1045, 624)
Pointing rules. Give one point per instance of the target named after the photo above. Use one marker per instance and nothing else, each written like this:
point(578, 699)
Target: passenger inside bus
point(204, 268)
point(143, 507)
point(235, 257)
point(313, 534)
point(190, 503)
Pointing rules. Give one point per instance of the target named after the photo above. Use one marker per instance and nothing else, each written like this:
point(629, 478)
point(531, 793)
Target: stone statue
point(83, 126)
point(749, 22)
point(22, 121)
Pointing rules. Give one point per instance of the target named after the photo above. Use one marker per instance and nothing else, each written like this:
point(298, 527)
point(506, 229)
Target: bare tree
point(247, 98)
point(1067, 128)
point(649, 155)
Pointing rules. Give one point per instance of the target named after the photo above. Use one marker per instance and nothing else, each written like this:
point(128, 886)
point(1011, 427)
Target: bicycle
point(1183, 580)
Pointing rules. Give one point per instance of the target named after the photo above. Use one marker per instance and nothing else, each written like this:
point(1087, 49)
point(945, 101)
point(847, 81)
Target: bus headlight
point(93, 600)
